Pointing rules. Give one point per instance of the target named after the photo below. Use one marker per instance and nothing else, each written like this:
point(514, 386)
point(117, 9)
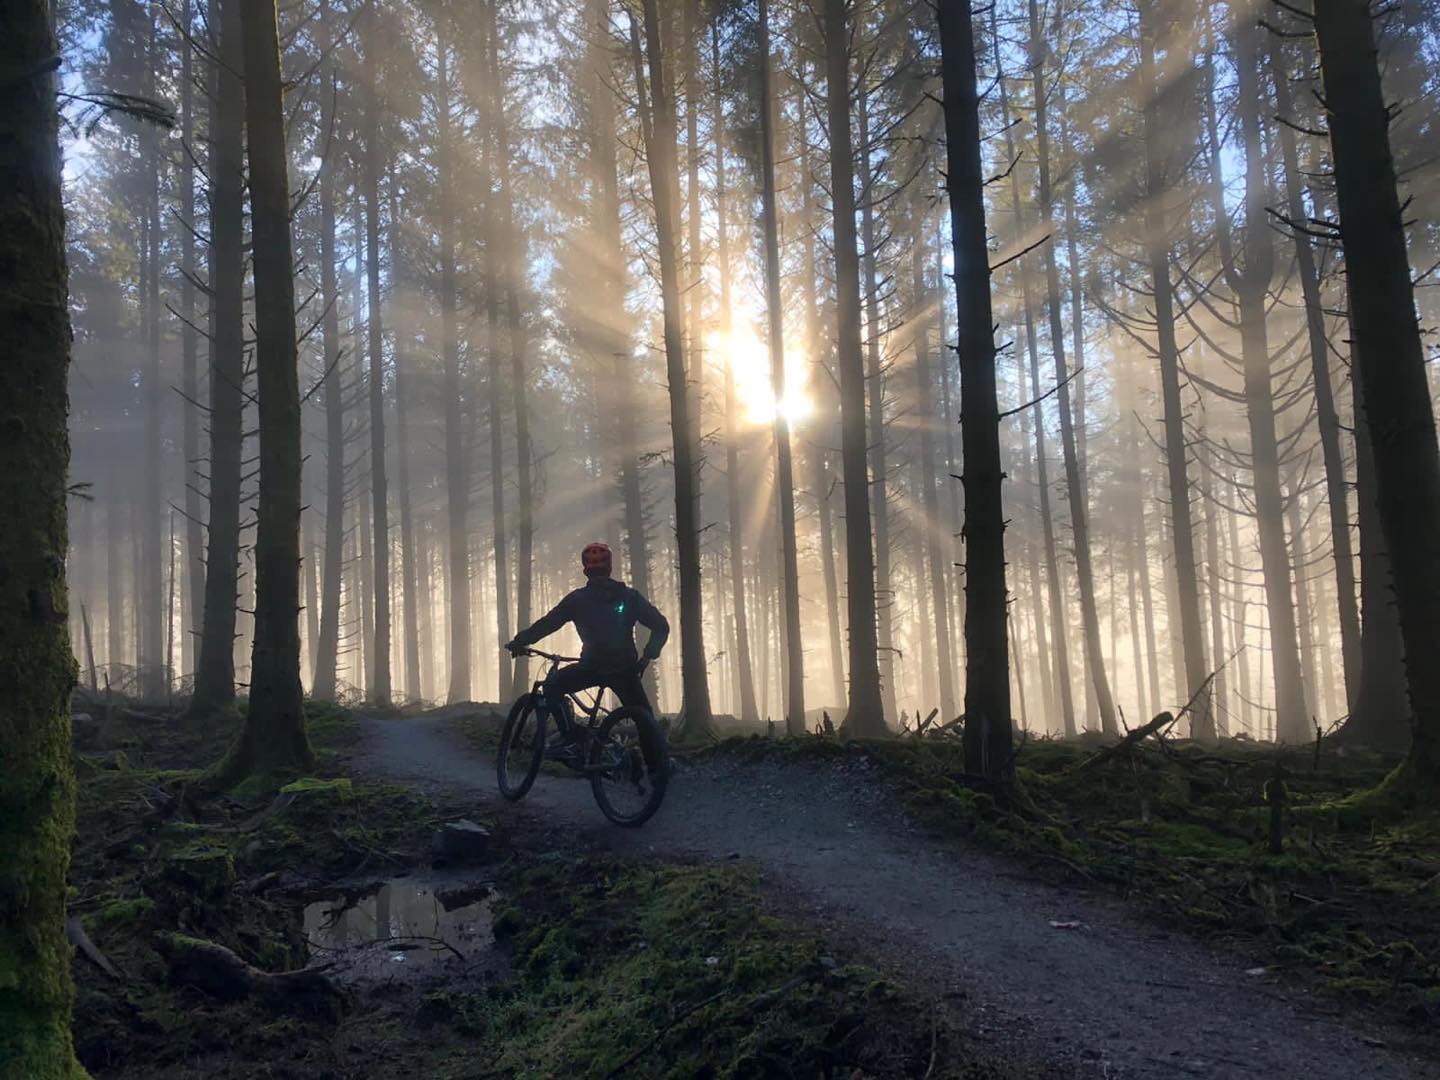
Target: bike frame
point(592, 709)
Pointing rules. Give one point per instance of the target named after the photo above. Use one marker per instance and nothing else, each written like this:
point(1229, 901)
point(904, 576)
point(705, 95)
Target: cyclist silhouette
point(604, 612)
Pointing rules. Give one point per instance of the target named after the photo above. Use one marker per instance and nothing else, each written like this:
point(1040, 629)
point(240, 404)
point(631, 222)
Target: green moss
point(339, 787)
point(121, 912)
point(680, 972)
point(146, 861)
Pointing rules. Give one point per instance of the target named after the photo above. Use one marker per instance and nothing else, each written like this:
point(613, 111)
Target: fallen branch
point(920, 730)
point(76, 935)
point(1155, 726)
point(1164, 720)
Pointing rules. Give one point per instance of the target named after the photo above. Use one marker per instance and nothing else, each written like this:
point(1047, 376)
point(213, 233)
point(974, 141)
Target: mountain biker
point(604, 612)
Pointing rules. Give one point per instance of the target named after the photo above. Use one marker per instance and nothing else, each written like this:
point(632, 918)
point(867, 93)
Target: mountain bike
point(621, 750)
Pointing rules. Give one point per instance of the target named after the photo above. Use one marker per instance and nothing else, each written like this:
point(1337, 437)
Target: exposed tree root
point(219, 972)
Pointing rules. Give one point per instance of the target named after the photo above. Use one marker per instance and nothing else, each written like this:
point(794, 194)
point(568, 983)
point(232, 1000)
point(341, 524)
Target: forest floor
point(329, 930)
point(799, 908)
point(873, 845)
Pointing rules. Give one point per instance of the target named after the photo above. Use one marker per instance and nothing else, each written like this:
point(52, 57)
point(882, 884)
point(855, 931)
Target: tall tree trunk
point(215, 671)
point(686, 54)
point(865, 715)
point(273, 741)
point(1303, 611)
point(457, 458)
point(741, 663)
point(784, 470)
point(820, 395)
point(1216, 698)
point(1389, 360)
point(988, 728)
point(1055, 679)
point(425, 586)
point(659, 135)
point(189, 359)
point(1379, 708)
point(952, 462)
point(37, 785)
point(322, 685)
point(114, 576)
point(875, 376)
point(379, 690)
point(1326, 417)
point(1137, 660)
point(400, 276)
point(613, 288)
point(1157, 249)
point(150, 606)
point(1241, 636)
point(1077, 313)
point(929, 497)
point(1074, 484)
point(1064, 690)
point(494, 400)
point(513, 254)
point(1251, 284)
point(1147, 603)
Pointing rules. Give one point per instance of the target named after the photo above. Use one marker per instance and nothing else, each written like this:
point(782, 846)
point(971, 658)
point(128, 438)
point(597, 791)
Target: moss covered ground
point(645, 969)
point(149, 860)
point(1350, 902)
point(604, 967)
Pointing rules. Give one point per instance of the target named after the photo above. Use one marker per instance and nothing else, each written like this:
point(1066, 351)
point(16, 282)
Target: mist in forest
point(567, 272)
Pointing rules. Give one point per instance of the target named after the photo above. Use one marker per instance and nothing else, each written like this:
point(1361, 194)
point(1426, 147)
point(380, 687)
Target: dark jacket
point(604, 612)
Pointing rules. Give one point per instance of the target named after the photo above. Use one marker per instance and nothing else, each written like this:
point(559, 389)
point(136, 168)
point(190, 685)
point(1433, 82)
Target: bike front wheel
point(522, 747)
point(629, 766)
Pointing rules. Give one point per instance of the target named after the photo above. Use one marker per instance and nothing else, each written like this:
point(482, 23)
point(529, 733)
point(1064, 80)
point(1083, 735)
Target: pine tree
point(1388, 360)
point(37, 785)
point(273, 741)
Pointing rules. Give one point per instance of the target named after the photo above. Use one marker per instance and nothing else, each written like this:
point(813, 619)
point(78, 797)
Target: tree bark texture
point(215, 671)
point(37, 786)
point(1389, 359)
point(273, 741)
point(988, 728)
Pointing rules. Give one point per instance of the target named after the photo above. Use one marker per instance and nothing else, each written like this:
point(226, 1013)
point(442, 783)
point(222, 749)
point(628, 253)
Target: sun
point(749, 359)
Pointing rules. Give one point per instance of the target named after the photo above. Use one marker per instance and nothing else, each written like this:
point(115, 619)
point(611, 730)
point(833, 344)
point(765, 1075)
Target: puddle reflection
point(402, 925)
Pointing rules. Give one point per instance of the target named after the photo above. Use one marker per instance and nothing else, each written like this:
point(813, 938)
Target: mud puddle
point(402, 929)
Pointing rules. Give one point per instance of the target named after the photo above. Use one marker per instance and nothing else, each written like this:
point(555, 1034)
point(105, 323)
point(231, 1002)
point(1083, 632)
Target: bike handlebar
point(526, 650)
point(552, 657)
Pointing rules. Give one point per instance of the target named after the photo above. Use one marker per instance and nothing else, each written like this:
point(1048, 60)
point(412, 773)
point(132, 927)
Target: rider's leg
point(630, 690)
point(568, 680)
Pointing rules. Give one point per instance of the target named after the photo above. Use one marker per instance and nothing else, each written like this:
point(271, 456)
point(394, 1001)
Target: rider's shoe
point(569, 748)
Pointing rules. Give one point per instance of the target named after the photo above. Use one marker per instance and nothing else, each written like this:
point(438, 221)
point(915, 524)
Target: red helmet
point(595, 560)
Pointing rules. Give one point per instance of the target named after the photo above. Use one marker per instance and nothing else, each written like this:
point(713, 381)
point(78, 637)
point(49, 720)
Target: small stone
point(462, 840)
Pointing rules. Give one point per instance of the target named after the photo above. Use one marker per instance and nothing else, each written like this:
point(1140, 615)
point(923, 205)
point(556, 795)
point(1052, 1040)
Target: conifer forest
point(719, 538)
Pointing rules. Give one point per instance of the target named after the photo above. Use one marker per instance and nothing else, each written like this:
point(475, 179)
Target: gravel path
point(1115, 997)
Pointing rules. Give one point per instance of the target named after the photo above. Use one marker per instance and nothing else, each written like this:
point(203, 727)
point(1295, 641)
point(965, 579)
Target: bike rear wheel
point(629, 766)
point(522, 747)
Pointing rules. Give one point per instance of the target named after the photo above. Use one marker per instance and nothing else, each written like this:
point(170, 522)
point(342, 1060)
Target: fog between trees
point(682, 277)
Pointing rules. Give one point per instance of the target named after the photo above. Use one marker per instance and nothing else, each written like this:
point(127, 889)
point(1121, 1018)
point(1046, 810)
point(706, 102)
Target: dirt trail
point(1113, 998)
